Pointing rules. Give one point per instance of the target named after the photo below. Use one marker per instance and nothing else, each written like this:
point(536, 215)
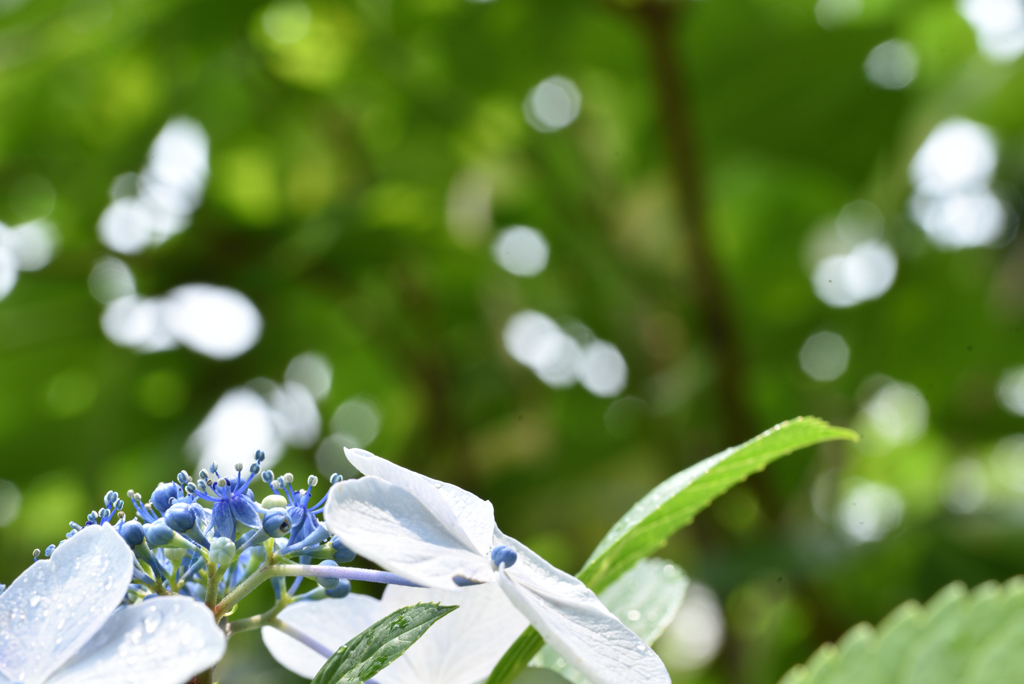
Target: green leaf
point(671, 505)
point(958, 637)
point(646, 599)
point(380, 644)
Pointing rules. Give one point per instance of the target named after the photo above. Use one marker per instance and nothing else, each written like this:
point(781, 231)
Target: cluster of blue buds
point(211, 539)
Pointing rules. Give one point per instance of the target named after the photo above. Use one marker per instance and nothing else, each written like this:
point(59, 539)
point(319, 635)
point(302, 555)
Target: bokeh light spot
point(1010, 390)
point(952, 173)
point(552, 104)
point(892, 65)
point(696, 635)
point(215, 321)
point(110, 279)
point(863, 274)
point(834, 14)
point(10, 502)
point(312, 370)
point(356, 422)
point(237, 425)
point(286, 21)
point(898, 413)
point(824, 356)
point(998, 27)
point(521, 250)
point(868, 511)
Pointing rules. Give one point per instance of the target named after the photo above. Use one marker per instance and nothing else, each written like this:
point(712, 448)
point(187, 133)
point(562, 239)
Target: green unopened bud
point(174, 555)
point(222, 550)
point(274, 501)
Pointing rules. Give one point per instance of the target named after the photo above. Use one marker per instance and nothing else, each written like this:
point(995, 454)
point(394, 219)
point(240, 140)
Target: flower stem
point(302, 637)
point(277, 569)
point(378, 576)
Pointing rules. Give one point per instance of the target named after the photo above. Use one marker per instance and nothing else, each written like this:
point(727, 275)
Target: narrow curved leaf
point(958, 637)
point(672, 505)
point(380, 644)
point(646, 599)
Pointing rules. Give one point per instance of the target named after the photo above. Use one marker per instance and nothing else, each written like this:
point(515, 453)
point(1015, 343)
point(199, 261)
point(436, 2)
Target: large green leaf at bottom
point(671, 505)
point(958, 637)
point(380, 644)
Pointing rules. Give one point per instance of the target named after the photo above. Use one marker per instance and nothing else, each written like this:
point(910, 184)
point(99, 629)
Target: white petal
point(57, 605)
point(474, 516)
point(576, 624)
point(332, 622)
point(463, 646)
point(401, 533)
point(166, 640)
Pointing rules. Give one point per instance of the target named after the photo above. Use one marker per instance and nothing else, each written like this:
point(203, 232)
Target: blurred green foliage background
point(710, 184)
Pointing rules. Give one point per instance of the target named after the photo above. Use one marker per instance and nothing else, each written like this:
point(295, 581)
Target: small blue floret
point(328, 582)
point(180, 517)
point(342, 590)
point(504, 555)
point(276, 523)
point(133, 533)
point(159, 534)
point(162, 495)
point(342, 554)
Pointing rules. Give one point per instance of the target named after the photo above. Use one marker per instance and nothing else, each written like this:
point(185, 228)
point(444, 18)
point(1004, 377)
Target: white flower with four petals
point(442, 537)
point(59, 622)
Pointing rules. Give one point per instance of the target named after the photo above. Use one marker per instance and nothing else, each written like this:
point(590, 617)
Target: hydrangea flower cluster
point(198, 546)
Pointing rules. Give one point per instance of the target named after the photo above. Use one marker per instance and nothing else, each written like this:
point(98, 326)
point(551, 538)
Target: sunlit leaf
point(958, 637)
point(380, 644)
point(672, 505)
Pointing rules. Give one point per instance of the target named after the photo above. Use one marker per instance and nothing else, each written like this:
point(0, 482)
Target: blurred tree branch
point(660, 21)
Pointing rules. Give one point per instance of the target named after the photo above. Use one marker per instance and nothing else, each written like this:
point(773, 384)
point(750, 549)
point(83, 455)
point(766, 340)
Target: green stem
point(204, 677)
point(256, 621)
point(212, 582)
point(244, 589)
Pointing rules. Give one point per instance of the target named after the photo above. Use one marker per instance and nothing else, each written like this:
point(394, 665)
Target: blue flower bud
point(133, 533)
point(254, 468)
point(336, 478)
point(109, 498)
point(49, 550)
point(159, 534)
point(328, 582)
point(162, 495)
point(222, 550)
point(267, 476)
point(342, 554)
point(276, 523)
point(180, 517)
point(260, 456)
point(342, 590)
point(504, 555)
